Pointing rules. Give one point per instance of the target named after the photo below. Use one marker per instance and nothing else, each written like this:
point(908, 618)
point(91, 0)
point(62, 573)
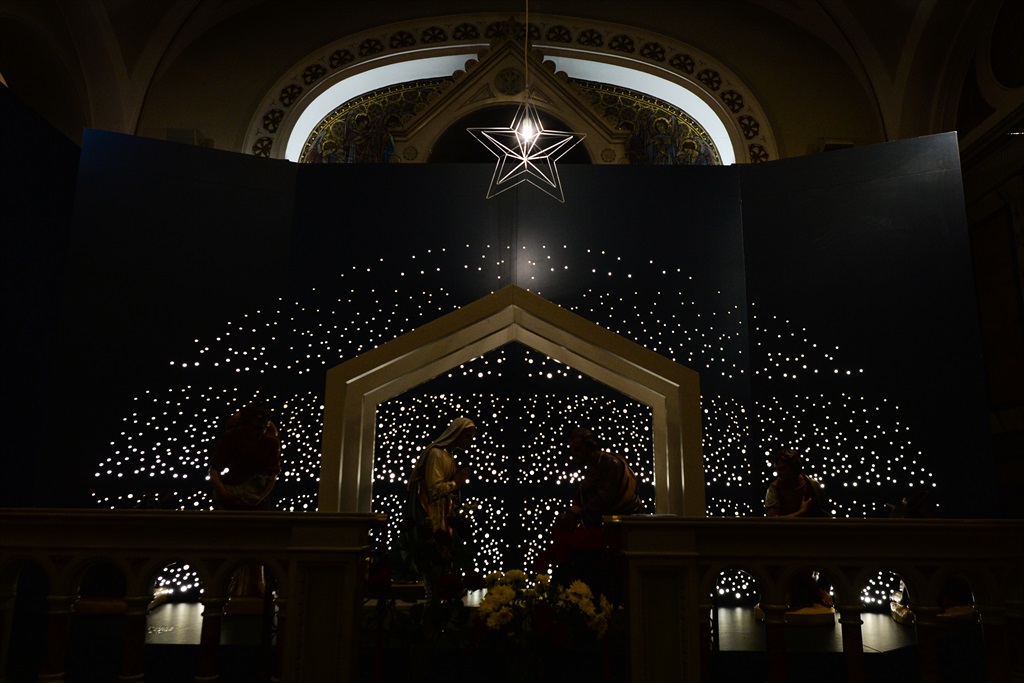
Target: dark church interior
point(737, 226)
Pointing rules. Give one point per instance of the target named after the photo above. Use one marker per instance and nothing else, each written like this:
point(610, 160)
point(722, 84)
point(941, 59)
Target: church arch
point(442, 47)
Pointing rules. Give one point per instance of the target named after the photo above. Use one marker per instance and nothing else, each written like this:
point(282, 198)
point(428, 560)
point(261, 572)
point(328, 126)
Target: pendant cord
point(526, 53)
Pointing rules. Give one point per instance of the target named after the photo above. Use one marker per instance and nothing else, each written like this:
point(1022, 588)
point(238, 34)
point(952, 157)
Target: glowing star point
point(526, 153)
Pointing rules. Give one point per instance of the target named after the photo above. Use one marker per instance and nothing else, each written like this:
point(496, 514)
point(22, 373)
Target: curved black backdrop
point(150, 287)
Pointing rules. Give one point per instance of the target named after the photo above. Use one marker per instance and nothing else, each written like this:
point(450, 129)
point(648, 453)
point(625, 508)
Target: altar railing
point(316, 560)
point(671, 566)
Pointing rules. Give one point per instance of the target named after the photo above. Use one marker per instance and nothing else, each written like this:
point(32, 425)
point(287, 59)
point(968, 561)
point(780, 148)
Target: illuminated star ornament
point(526, 153)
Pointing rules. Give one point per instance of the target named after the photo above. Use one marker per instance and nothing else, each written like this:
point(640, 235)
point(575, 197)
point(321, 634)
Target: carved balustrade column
point(662, 606)
point(853, 641)
point(281, 634)
point(7, 602)
point(775, 641)
point(209, 638)
point(708, 643)
point(994, 628)
point(133, 666)
point(927, 626)
point(1015, 639)
point(58, 625)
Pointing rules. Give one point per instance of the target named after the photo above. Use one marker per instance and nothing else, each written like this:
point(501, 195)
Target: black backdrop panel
point(646, 237)
point(199, 280)
point(683, 217)
point(356, 215)
point(865, 253)
point(37, 185)
point(168, 242)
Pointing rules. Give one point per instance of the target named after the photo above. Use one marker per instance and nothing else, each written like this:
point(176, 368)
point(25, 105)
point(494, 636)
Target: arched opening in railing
point(736, 588)
point(24, 587)
point(98, 619)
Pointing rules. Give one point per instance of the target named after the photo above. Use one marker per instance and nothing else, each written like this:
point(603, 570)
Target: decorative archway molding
point(356, 387)
point(449, 42)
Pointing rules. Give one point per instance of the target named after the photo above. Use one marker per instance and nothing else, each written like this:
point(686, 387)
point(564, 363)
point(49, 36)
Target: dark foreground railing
point(670, 566)
point(316, 562)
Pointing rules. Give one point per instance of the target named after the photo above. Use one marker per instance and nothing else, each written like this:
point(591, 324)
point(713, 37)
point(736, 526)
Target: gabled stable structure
point(356, 387)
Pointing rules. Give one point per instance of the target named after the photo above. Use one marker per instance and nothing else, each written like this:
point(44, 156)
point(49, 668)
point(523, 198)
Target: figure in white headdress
point(436, 479)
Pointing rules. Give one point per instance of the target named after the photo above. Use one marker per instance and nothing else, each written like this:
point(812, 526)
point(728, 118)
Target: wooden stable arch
point(356, 387)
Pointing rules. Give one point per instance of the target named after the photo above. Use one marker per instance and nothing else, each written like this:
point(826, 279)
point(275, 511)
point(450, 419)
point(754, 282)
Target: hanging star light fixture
point(526, 151)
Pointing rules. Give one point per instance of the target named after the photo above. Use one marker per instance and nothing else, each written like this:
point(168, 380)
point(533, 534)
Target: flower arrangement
point(515, 608)
point(534, 631)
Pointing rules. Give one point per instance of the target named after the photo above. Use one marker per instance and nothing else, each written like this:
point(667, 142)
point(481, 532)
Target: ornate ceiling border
point(745, 119)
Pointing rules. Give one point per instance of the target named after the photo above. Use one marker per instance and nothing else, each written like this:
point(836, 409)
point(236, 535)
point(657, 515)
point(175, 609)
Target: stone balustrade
point(317, 561)
point(671, 568)
point(672, 565)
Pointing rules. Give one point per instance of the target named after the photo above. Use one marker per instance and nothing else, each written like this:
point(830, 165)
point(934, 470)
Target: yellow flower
point(496, 598)
point(583, 604)
point(499, 618)
point(581, 589)
point(514, 576)
point(492, 578)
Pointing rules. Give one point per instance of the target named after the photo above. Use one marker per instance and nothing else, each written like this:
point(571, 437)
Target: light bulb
point(527, 131)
